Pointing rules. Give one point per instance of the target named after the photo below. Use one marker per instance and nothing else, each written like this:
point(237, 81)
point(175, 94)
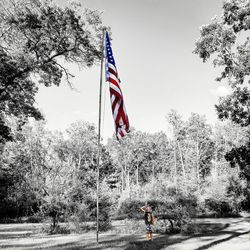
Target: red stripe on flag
point(113, 72)
point(121, 118)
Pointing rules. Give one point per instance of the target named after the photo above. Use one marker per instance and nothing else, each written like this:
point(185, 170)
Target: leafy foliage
point(35, 38)
point(53, 175)
point(167, 205)
point(224, 37)
point(227, 39)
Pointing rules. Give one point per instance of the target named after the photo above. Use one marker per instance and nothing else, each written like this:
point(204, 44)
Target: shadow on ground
point(211, 233)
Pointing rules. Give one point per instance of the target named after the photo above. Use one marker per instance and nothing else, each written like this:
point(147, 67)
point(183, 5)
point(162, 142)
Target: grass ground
point(214, 234)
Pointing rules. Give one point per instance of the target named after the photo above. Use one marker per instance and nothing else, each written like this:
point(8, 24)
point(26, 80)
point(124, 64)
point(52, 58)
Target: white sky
point(152, 45)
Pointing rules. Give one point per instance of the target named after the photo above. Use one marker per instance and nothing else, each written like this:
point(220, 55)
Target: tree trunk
point(125, 176)
point(153, 171)
point(215, 163)
point(128, 184)
point(172, 224)
point(54, 221)
point(175, 167)
point(197, 164)
point(182, 162)
point(122, 178)
point(79, 161)
point(137, 175)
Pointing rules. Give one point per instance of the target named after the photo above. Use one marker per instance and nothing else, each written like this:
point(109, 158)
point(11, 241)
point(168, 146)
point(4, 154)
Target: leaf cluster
point(37, 38)
point(226, 39)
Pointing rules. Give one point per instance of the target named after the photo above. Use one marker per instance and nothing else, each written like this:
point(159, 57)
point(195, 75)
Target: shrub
point(130, 208)
point(8, 220)
point(58, 229)
point(36, 218)
point(104, 211)
point(165, 226)
point(172, 212)
point(218, 208)
point(237, 193)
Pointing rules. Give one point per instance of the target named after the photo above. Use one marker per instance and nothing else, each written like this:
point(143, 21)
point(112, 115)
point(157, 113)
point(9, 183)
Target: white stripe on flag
point(115, 88)
point(116, 109)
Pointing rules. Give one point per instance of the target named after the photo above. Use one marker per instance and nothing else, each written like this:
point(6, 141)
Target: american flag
point(117, 102)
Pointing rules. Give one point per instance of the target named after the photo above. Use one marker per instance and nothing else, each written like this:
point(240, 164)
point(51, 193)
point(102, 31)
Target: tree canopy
point(226, 39)
point(36, 39)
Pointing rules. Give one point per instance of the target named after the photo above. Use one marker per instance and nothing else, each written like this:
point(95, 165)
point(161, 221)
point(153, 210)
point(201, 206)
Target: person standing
point(149, 221)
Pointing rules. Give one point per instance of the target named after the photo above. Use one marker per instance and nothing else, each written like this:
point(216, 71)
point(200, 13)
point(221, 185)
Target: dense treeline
point(45, 174)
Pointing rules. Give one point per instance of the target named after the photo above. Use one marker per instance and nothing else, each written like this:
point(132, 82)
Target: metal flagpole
point(99, 139)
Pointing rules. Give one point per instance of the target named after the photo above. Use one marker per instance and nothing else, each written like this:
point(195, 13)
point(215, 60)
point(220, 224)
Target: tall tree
point(227, 38)
point(179, 135)
point(36, 38)
point(24, 165)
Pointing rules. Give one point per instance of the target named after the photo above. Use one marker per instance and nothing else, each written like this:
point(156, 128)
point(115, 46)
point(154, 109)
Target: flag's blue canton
point(109, 51)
